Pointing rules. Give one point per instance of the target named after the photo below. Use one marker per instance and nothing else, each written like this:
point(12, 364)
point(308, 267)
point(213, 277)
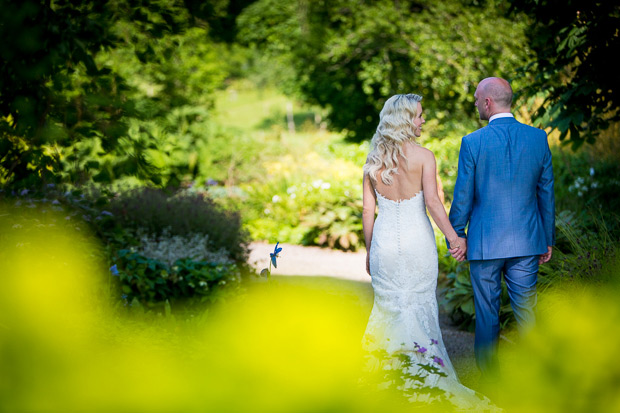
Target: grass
point(245, 107)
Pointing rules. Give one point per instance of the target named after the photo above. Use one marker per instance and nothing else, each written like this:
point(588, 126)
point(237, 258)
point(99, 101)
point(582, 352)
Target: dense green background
point(97, 91)
point(266, 107)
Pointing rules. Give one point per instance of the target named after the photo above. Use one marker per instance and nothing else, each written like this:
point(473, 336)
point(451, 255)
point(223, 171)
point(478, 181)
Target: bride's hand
point(459, 249)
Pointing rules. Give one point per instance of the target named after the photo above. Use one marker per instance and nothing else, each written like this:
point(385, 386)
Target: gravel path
point(316, 261)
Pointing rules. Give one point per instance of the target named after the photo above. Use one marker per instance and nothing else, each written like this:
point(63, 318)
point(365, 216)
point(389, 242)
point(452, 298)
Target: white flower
point(275, 199)
point(591, 171)
point(267, 211)
point(325, 185)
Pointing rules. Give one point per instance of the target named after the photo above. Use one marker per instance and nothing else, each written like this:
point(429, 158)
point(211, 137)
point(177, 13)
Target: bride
point(402, 255)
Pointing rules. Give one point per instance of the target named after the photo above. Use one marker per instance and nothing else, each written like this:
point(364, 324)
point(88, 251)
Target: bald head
point(493, 95)
point(497, 89)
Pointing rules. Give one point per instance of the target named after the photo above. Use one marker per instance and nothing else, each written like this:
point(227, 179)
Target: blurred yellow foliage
point(570, 361)
point(279, 348)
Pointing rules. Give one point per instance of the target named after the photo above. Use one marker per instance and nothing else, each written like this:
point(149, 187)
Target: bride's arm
point(368, 215)
point(433, 203)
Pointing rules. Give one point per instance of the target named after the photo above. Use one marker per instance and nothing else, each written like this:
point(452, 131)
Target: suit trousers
point(520, 274)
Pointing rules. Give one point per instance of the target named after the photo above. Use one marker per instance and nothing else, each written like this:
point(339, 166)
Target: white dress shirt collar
point(501, 115)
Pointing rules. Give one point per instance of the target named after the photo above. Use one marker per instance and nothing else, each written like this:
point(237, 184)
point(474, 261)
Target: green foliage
point(586, 180)
point(310, 195)
point(571, 74)
point(109, 91)
point(151, 281)
point(349, 57)
point(59, 103)
point(335, 224)
point(164, 248)
point(582, 248)
point(155, 212)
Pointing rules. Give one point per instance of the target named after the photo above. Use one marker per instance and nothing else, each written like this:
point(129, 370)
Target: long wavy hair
point(395, 127)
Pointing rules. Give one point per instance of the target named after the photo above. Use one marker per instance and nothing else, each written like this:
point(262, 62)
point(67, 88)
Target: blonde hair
point(395, 127)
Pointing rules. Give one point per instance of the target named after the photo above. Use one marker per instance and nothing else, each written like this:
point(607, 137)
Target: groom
point(504, 196)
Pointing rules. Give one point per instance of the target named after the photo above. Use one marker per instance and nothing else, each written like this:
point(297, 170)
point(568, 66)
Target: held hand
point(368, 263)
point(546, 256)
point(458, 249)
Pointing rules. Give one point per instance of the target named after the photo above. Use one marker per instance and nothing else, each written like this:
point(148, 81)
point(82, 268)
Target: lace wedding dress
point(404, 318)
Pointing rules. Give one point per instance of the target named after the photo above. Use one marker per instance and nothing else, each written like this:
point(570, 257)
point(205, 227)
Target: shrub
point(580, 251)
point(335, 225)
point(586, 181)
point(170, 248)
point(150, 281)
point(153, 212)
point(162, 247)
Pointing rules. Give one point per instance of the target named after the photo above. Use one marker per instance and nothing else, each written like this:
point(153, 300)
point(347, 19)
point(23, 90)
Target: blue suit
point(504, 196)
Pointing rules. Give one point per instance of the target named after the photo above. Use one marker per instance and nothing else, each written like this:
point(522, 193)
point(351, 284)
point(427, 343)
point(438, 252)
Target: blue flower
point(114, 270)
point(275, 255)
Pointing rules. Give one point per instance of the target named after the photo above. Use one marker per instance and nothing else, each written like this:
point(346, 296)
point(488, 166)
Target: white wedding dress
point(404, 318)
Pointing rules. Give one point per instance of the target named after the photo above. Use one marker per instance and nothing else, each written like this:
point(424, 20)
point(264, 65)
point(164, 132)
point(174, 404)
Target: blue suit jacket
point(504, 191)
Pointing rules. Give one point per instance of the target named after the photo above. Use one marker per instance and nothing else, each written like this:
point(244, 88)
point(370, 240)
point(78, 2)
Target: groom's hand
point(459, 252)
point(546, 256)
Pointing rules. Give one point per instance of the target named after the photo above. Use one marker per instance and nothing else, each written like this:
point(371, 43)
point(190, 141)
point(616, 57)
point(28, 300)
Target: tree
point(349, 56)
point(573, 73)
point(84, 83)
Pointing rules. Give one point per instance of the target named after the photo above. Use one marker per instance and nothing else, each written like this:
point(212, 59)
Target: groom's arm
point(462, 203)
point(546, 198)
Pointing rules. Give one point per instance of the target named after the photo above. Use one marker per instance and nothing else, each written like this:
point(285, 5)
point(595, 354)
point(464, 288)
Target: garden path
point(316, 261)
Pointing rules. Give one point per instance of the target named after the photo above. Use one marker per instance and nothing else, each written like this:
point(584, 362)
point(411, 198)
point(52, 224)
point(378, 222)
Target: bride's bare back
point(408, 182)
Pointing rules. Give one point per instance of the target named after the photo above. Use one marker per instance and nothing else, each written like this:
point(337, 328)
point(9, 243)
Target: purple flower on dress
point(433, 341)
point(438, 361)
point(421, 350)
